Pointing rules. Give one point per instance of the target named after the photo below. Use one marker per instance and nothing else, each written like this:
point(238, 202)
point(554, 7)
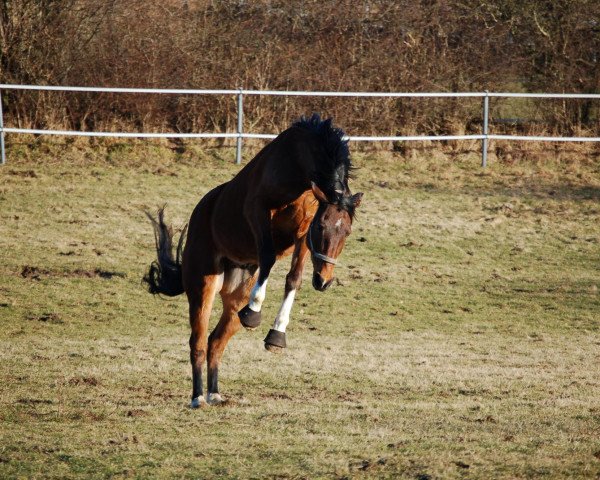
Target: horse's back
point(278, 174)
point(274, 180)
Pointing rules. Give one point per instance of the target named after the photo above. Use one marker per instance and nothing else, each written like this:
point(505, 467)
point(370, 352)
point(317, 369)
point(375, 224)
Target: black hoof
point(275, 341)
point(249, 318)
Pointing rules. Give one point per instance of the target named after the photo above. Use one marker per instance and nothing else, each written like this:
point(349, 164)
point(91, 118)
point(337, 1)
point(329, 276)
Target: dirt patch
point(276, 396)
point(23, 173)
point(33, 272)
point(365, 465)
point(46, 317)
point(95, 273)
point(90, 381)
point(34, 401)
point(36, 273)
point(164, 171)
point(137, 413)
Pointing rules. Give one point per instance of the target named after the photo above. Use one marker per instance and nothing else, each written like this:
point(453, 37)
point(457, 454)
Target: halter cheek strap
point(318, 255)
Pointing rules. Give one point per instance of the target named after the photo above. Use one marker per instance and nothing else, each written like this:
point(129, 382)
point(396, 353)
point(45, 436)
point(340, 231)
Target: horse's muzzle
point(320, 284)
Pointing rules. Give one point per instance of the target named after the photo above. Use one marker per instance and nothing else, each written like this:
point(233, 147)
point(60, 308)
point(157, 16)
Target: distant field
point(461, 340)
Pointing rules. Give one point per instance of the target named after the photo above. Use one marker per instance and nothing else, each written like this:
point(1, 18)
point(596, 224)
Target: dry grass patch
point(461, 338)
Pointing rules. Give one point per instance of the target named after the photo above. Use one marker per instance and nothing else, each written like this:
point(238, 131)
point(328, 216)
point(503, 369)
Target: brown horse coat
point(296, 184)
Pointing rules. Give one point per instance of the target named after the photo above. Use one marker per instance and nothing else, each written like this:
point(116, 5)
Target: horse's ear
point(318, 193)
point(356, 199)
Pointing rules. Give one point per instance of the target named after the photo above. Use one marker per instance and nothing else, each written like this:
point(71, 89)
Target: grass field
point(461, 340)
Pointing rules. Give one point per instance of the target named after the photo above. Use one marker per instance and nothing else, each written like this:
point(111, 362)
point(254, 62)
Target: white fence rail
point(485, 136)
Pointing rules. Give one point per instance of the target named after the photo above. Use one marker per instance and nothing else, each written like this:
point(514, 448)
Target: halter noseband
point(318, 255)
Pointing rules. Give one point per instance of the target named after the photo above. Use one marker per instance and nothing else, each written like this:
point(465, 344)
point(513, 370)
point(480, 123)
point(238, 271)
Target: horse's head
point(327, 234)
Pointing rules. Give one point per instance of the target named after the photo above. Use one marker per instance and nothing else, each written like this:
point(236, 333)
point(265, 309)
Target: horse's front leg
point(275, 339)
point(260, 221)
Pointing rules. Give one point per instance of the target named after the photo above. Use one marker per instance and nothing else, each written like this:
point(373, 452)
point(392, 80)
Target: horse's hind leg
point(200, 297)
point(235, 293)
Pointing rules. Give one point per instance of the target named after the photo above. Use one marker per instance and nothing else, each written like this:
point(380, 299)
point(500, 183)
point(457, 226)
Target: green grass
point(461, 340)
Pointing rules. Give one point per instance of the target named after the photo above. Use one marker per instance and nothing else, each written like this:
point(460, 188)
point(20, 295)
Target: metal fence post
point(240, 126)
point(486, 114)
point(2, 151)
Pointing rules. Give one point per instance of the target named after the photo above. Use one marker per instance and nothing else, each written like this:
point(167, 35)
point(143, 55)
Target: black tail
point(165, 273)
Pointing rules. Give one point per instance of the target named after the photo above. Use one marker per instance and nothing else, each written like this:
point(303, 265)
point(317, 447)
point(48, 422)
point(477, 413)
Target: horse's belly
point(235, 241)
point(230, 231)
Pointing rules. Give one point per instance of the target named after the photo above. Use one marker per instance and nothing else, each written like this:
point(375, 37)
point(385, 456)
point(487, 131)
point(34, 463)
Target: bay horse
point(293, 197)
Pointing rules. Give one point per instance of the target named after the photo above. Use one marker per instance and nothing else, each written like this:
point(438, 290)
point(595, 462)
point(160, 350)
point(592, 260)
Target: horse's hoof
point(275, 341)
point(274, 349)
point(249, 318)
point(198, 402)
point(215, 399)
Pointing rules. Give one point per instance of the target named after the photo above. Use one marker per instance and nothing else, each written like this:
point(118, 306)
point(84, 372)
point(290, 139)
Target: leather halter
point(318, 255)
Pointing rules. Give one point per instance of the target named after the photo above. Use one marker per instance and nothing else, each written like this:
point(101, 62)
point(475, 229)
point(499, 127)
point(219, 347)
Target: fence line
point(191, 91)
point(239, 135)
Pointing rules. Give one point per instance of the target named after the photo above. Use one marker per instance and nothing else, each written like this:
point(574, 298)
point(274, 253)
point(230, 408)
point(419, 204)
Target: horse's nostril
point(317, 281)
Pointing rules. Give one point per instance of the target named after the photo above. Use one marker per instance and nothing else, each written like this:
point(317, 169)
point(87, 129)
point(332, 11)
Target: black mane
point(333, 172)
